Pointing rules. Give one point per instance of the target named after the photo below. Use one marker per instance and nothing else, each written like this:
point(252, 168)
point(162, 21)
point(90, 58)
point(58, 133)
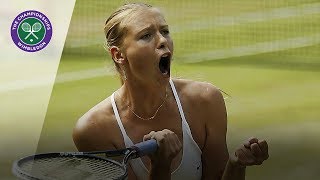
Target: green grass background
point(274, 95)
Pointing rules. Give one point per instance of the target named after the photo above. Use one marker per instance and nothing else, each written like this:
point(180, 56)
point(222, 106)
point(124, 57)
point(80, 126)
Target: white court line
point(85, 74)
point(252, 49)
point(60, 78)
point(252, 17)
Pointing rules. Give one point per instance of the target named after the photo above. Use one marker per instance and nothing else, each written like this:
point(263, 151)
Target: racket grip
point(146, 147)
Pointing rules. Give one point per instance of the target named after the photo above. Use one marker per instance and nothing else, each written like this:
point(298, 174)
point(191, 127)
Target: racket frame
point(137, 150)
point(16, 170)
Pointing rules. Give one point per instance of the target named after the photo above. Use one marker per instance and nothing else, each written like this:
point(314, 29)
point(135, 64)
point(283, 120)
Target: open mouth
point(164, 64)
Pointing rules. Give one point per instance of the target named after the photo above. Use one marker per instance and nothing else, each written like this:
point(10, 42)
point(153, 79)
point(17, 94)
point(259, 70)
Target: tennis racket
point(80, 165)
point(36, 27)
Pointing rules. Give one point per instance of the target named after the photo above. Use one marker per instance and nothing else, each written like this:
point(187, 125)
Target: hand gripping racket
point(80, 165)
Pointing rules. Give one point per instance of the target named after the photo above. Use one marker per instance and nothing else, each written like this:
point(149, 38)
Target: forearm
point(160, 172)
point(234, 172)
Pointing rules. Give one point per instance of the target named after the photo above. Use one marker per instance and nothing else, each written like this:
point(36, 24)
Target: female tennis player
point(187, 118)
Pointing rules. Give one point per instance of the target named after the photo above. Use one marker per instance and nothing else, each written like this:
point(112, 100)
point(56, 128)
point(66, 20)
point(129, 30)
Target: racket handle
point(146, 147)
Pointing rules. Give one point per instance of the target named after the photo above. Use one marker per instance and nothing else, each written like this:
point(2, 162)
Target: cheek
point(170, 42)
point(139, 57)
point(138, 53)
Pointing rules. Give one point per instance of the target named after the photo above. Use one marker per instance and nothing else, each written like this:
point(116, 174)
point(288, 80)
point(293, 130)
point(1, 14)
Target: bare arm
point(252, 152)
point(215, 152)
point(89, 135)
point(234, 172)
point(169, 146)
point(217, 164)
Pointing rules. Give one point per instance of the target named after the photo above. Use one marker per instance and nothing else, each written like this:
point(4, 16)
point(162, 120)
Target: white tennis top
point(190, 166)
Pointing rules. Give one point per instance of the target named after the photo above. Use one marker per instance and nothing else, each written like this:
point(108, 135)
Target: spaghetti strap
point(185, 125)
point(176, 96)
point(126, 139)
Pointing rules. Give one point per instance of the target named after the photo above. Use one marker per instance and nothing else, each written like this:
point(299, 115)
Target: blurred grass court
point(265, 54)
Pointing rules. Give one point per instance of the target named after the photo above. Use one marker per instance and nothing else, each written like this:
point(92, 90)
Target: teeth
point(165, 55)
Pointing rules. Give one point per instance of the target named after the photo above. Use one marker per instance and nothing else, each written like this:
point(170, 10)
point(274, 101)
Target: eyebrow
point(151, 27)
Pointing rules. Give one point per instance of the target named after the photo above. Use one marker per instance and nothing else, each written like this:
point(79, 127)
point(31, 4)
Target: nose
point(162, 41)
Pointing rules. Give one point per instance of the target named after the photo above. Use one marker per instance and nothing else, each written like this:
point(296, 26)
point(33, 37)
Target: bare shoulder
point(92, 129)
point(204, 108)
point(205, 101)
point(200, 92)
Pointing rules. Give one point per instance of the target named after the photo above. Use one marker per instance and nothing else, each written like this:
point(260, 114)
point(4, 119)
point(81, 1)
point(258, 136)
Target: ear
point(117, 55)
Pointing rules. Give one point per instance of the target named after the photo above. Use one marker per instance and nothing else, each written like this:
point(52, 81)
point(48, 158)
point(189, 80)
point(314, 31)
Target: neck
point(144, 100)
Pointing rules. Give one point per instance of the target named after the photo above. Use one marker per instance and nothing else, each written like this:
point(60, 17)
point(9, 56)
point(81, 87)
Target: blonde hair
point(115, 26)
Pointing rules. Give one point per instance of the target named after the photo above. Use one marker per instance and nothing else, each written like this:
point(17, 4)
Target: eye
point(165, 32)
point(146, 36)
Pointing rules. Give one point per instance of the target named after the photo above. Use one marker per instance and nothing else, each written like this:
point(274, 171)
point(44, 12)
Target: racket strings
point(73, 168)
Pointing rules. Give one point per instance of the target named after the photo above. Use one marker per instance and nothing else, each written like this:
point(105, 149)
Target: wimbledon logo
point(31, 31)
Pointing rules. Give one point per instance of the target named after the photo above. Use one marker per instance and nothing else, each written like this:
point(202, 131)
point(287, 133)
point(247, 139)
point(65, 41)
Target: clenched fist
point(252, 152)
point(169, 146)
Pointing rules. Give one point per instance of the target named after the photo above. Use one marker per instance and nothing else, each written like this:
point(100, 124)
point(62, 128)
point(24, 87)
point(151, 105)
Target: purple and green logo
point(31, 31)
